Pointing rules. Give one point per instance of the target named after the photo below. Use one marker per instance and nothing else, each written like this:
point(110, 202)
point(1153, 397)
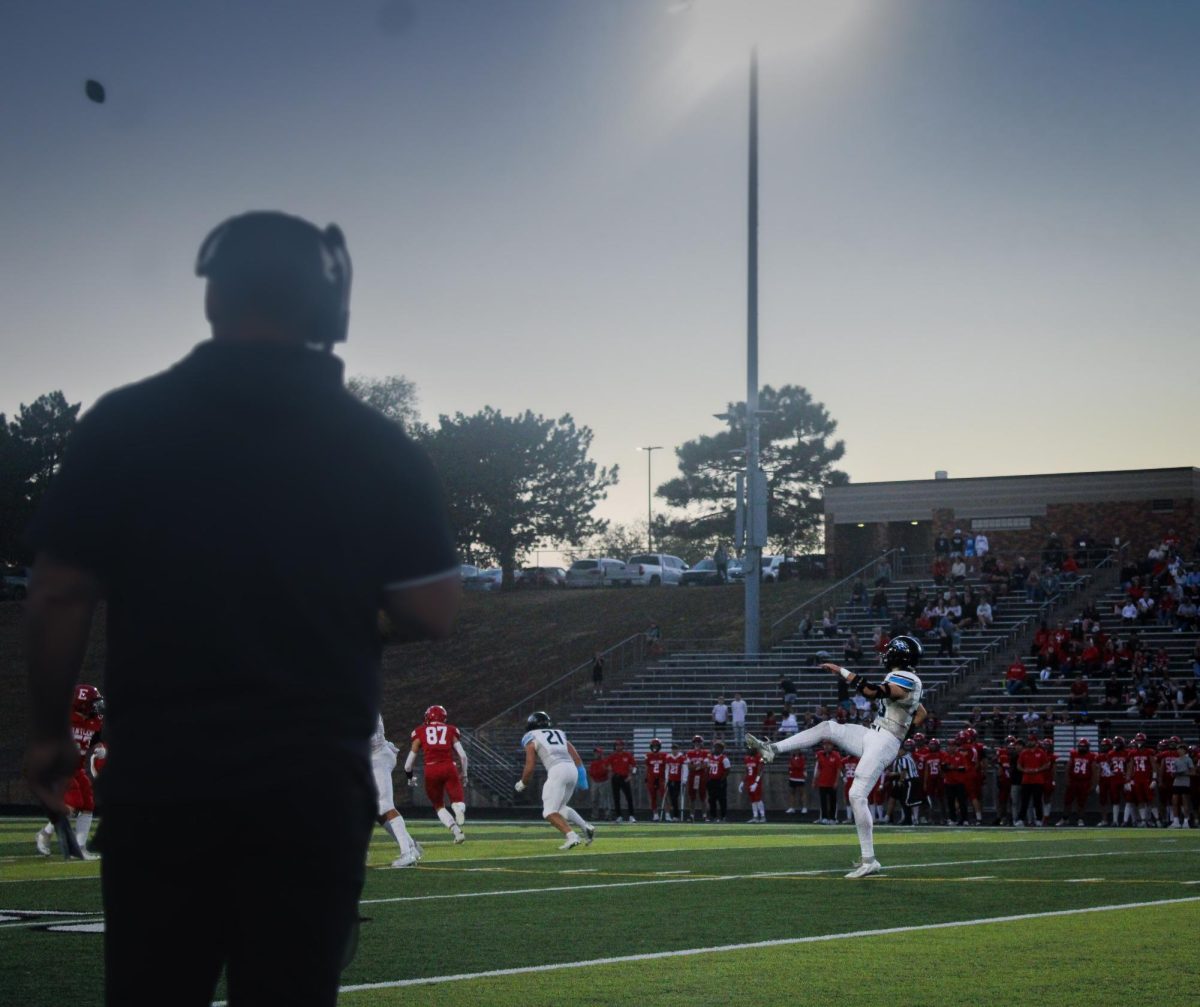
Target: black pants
point(620, 785)
point(673, 797)
point(956, 802)
point(278, 912)
point(718, 798)
point(828, 802)
point(1031, 791)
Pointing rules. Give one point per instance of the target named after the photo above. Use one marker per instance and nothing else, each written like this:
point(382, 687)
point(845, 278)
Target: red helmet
point(1139, 739)
point(697, 739)
point(935, 745)
point(86, 698)
point(919, 738)
point(970, 733)
point(1163, 744)
point(655, 745)
point(961, 737)
point(1048, 743)
point(910, 745)
point(1105, 744)
point(1084, 744)
point(1118, 742)
point(1011, 740)
point(436, 715)
point(1175, 740)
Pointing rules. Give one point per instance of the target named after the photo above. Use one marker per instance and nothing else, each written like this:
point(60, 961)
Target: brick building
point(1018, 513)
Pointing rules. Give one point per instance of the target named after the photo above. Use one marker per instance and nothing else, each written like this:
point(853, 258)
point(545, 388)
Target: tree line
point(517, 482)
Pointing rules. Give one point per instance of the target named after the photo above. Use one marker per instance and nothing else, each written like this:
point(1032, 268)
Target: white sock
point(572, 836)
point(446, 819)
point(460, 812)
point(83, 825)
point(760, 809)
point(399, 833)
point(865, 828)
point(916, 814)
point(575, 818)
point(47, 830)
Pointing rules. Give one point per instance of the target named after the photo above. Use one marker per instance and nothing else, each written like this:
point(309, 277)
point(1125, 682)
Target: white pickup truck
point(649, 568)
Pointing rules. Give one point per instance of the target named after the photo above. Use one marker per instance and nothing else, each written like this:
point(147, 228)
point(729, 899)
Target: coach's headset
point(282, 264)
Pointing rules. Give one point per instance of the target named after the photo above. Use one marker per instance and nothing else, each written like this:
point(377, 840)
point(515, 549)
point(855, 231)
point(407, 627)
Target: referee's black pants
point(279, 913)
point(620, 785)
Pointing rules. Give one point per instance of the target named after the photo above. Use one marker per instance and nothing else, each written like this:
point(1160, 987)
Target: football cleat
point(459, 837)
point(764, 748)
point(409, 859)
point(865, 869)
point(589, 834)
point(43, 844)
point(571, 843)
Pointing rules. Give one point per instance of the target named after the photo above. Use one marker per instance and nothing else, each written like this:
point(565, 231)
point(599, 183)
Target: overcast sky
point(980, 219)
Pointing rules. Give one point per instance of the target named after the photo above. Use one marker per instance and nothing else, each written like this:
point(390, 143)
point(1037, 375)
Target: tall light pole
point(756, 531)
point(650, 496)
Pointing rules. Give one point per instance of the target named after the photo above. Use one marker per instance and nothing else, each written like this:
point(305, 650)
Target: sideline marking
point(781, 942)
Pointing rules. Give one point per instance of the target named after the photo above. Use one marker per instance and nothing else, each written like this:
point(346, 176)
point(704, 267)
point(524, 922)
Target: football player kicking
point(564, 772)
point(439, 741)
point(899, 699)
point(383, 764)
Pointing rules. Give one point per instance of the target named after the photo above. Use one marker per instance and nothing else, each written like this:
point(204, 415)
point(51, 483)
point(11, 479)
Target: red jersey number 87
point(435, 734)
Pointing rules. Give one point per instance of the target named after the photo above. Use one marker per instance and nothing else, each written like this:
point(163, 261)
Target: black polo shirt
point(245, 514)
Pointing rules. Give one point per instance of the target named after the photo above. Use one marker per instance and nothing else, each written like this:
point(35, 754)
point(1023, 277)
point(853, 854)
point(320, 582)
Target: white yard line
point(744, 877)
point(77, 918)
point(781, 942)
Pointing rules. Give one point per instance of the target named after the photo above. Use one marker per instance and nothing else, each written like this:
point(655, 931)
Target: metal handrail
point(637, 641)
point(816, 599)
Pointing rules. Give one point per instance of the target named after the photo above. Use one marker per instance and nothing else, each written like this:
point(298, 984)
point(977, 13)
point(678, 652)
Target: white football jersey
point(378, 740)
point(551, 746)
point(896, 714)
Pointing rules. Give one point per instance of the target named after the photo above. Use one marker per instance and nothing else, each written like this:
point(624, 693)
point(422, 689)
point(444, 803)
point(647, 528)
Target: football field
point(696, 915)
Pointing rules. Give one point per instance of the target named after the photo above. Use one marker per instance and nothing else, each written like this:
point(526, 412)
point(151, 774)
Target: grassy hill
point(506, 646)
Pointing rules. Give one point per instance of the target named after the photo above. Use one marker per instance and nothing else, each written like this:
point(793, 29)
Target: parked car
point(736, 570)
point(466, 571)
point(776, 568)
point(15, 585)
point(486, 580)
point(650, 569)
point(592, 572)
point(542, 576)
point(703, 574)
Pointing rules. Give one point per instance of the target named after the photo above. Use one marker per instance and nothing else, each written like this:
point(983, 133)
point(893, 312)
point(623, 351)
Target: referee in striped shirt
point(906, 786)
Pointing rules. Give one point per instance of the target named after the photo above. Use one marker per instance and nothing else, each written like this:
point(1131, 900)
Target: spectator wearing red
point(1016, 678)
point(1077, 702)
point(600, 789)
point(769, 726)
point(1035, 765)
point(1006, 772)
point(797, 777)
point(1082, 773)
point(623, 765)
point(825, 778)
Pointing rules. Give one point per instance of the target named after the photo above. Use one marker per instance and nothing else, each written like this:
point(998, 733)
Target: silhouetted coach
point(245, 518)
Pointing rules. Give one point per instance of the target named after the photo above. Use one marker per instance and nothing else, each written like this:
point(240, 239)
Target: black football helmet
point(902, 652)
point(539, 718)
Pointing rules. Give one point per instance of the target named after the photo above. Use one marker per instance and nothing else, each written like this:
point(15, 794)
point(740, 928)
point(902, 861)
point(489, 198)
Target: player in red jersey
point(753, 786)
point(1111, 785)
point(1083, 771)
point(674, 769)
point(440, 742)
point(717, 770)
point(1006, 764)
point(825, 779)
point(955, 767)
point(849, 768)
point(1139, 773)
point(934, 778)
point(976, 764)
point(797, 775)
point(656, 778)
point(1049, 782)
point(694, 779)
point(87, 720)
point(1168, 750)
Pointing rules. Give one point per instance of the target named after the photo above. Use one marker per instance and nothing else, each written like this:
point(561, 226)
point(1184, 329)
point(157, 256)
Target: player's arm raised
point(527, 772)
point(881, 690)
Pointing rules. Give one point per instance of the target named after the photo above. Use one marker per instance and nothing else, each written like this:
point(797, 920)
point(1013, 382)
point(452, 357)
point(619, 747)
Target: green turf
point(467, 909)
